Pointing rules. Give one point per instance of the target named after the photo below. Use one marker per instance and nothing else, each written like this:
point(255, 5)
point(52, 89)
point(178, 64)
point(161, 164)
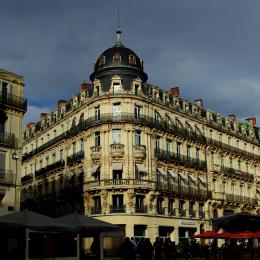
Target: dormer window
point(116, 87)
point(116, 57)
point(132, 59)
point(102, 60)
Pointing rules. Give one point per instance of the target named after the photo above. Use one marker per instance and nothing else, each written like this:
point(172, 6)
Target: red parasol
point(224, 234)
point(257, 234)
point(207, 234)
point(245, 234)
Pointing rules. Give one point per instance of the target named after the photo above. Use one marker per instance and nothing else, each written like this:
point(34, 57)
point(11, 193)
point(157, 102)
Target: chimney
point(84, 86)
point(175, 91)
point(199, 102)
point(43, 116)
point(30, 125)
point(232, 118)
point(251, 120)
point(61, 102)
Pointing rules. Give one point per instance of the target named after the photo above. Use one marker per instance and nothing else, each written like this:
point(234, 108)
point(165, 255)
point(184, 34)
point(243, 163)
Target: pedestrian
point(140, 249)
point(148, 249)
point(167, 246)
point(157, 248)
point(127, 249)
point(134, 247)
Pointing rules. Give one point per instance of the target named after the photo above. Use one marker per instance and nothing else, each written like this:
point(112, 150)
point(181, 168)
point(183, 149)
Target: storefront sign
point(187, 222)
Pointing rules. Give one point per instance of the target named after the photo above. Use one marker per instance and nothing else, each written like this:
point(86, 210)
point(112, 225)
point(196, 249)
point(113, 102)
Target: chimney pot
point(175, 91)
point(84, 86)
point(61, 102)
point(199, 102)
point(232, 117)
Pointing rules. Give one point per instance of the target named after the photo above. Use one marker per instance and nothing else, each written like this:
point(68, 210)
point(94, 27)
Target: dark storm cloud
point(209, 48)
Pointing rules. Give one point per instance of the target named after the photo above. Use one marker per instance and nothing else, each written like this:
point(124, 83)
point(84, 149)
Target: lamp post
point(15, 157)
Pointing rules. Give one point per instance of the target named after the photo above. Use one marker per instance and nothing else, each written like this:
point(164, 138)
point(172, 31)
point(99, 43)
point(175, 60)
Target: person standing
point(157, 248)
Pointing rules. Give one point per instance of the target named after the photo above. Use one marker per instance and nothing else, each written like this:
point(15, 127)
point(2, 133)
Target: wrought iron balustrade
point(13, 101)
point(75, 158)
point(49, 168)
point(241, 199)
point(192, 213)
point(7, 177)
point(27, 178)
point(95, 210)
point(182, 212)
point(160, 211)
point(171, 212)
point(141, 209)
point(117, 209)
point(8, 139)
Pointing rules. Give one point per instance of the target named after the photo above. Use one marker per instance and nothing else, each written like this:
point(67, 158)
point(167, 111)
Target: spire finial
point(118, 31)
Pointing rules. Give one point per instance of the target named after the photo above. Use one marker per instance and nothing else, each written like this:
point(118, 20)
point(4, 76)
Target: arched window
point(81, 119)
point(73, 124)
point(102, 60)
point(116, 57)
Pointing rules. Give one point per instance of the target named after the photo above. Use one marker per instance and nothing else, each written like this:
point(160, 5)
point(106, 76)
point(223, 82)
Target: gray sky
point(209, 48)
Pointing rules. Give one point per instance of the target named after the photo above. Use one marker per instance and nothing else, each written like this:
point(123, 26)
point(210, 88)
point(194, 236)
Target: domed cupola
point(120, 61)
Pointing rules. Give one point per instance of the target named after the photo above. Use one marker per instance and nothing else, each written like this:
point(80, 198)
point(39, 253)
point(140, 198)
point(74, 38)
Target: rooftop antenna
point(118, 31)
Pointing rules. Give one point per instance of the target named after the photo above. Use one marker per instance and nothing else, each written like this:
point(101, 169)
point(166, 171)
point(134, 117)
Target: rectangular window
point(61, 154)
point(117, 202)
point(97, 138)
point(178, 149)
point(97, 203)
point(188, 152)
point(137, 137)
point(2, 161)
point(169, 146)
point(97, 113)
point(116, 87)
point(239, 166)
point(137, 112)
point(157, 116)
point(197, 154)
point(116, 109)
point(117, 174)
point(82, 145)
point(136, 89)
point(74, 148)
point(157, 144)
point(116, 136)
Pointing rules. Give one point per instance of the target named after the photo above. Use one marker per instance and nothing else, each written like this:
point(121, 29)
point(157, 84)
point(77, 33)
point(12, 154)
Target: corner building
point(130, 153)
point(12, 109)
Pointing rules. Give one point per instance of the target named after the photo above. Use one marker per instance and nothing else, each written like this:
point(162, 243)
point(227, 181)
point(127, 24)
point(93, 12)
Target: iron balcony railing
point(232, 149)
point(95, 210)
point(141, 209)
point(75, 158)
point(192, 213)
point(49, 168)
point(201, 214)
point(241, 199)
point(236, 173)
point(180, 159)
point(8, 139)
point(165, 187)
point(182, 212)
point(13, 101)
point(7, 177)
point(27, 178)
point(117, 209)
point(124, 118)
point(160, 211)
point(171, 212)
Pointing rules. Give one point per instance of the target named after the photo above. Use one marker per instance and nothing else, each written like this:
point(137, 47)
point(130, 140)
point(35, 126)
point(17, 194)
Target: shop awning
point(202, 180)
point(172, 174)
point(94, 168)
point(141, 168)
point(117, 166)
point(161, 171)
point(192, 178)
point(183, 176)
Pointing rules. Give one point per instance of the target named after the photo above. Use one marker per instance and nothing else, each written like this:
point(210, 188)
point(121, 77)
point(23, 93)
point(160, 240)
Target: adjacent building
point(12, 109)
point(133, 154)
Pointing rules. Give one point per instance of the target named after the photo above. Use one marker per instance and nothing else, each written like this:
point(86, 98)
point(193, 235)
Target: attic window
point(102, 60)
point(132, 59)
point(116, 57)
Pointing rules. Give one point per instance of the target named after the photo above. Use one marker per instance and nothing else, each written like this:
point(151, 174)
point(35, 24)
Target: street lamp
point(15, 157)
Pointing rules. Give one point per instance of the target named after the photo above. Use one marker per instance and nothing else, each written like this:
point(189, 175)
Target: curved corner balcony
point(139, 151)
point(117, 150)
point(95, 152)
point(75, 158)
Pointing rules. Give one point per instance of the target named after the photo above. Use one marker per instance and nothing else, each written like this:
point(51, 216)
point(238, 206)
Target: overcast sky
point(209, 48)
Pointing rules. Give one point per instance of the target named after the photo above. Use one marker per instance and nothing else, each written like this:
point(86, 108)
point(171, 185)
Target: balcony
point(117, 150)
point(27, 178)
point(50, 168)
point(117, 209)
point(13, 101)
point(139, 151)
point(230, 172)
point(201, 214)
point(95, 211)
point(95, 152)
point(192, 213)
point(8, 139)
point(182, 212)
point(7, 177)
point(75, 158)
point(160, 211)
point(171, 212)
point(141, 209)
point(180, 159)
point(241, 199)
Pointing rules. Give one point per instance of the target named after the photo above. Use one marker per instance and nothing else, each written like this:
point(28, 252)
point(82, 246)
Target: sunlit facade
point(12, 109)
point(130, 153)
